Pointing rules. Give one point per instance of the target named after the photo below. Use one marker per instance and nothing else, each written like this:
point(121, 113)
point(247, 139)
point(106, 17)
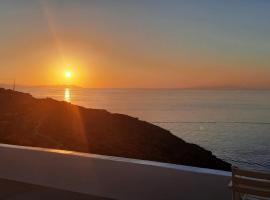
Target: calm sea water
point(234, 125)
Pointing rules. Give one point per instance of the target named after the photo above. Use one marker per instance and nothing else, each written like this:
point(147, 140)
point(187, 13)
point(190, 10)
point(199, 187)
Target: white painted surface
point(114, 177)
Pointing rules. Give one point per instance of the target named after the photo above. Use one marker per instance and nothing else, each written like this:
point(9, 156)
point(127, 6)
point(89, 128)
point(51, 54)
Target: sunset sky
point(138, 44)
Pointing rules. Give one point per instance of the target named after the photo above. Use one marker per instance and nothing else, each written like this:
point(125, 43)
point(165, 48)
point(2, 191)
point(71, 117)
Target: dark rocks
point(48, 123)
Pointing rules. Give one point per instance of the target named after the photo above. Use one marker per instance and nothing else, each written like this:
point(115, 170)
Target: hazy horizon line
point(172, 88)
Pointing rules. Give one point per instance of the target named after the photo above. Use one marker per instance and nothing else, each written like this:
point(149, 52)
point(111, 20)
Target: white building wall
point(114, 177)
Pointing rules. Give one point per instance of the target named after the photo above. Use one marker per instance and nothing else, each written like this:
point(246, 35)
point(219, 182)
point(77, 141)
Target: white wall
point(113, 177)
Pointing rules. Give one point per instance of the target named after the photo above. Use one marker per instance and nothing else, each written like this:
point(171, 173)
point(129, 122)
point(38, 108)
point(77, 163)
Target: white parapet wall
point(113, 177)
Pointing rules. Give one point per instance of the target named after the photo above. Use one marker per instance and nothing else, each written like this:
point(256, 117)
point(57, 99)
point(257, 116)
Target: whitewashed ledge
point(112, 177)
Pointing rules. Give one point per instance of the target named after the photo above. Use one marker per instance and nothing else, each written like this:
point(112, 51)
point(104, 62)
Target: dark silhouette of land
point(28, 121)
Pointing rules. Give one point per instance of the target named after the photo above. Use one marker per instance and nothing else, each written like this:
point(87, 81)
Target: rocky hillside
point(28, 121)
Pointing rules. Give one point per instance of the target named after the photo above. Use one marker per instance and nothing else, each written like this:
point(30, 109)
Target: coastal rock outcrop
point(25, 120)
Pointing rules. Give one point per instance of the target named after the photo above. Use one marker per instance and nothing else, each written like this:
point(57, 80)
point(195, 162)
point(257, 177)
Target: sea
point(233, 124)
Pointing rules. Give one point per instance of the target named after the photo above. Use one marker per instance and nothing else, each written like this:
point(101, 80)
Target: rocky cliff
point(28, 121)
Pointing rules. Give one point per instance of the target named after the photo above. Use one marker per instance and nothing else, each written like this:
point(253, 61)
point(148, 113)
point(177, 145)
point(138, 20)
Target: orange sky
point(134, 45)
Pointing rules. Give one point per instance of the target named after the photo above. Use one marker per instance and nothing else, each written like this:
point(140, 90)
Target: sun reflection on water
point(67, 96)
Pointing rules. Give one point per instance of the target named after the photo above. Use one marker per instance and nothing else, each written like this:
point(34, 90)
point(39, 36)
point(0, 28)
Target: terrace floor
point(13, 190)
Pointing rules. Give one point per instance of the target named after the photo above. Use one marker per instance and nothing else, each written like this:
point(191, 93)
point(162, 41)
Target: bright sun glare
point(68, 74)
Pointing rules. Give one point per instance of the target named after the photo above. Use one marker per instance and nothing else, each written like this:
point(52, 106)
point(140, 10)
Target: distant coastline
point(4, 85)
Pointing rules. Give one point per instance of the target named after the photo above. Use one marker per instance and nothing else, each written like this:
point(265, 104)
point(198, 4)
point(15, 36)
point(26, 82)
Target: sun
point(68, 74)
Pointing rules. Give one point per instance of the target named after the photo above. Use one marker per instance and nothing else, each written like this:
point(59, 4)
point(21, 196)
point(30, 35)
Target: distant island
point(63, 86)
point(8, 86)
point(25, 120)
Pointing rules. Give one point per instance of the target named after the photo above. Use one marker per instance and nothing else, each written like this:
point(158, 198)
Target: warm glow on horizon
point(76, 72)
point(198, 48)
